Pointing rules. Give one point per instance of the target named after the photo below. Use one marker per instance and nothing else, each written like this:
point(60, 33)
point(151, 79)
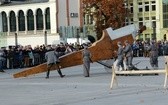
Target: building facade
point(151, 13)
point(26, 22)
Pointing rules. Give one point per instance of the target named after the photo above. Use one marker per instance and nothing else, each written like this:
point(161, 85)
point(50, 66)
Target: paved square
point(75, 89)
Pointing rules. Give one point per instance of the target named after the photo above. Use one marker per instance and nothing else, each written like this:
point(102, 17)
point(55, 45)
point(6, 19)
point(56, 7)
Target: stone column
point(135, 13)
point(44, 22)
point(1, 25)
point(35, 24)
point(17, 25)
point(8, 21)
point(86, 19)
point(26, 29)
point(159, 14)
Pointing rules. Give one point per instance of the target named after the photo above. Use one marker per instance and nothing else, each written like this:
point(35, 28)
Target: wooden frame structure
point(164, 71)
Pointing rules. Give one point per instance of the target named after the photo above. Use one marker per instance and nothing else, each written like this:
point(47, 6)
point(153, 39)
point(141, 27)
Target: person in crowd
point(16, 57)
point(120, 57)
point(36, 55)
point(165, 48)
point(86, 55)
point(160, 48)
point(153, 49)
point(128, 55)
point(2, 60)
point(10, 56)
point(31, 56)
point(26, 56)
point(146, 45)
point(52, 58)
point(62, 49)
point(42, 53)
point(68, 49)
point(135, 48)
point(141, 49)
point(5, 61)
point(21, 57)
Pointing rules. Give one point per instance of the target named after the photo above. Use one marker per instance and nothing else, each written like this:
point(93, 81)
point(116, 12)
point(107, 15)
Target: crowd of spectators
point(26, 56)
point(140, 48)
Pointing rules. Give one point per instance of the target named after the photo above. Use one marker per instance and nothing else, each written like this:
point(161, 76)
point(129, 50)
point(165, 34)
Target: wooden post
point(166, 69)
point(113, 79)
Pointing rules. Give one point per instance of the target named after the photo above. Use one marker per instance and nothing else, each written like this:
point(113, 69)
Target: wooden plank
point(140, 72)
point(166, 68)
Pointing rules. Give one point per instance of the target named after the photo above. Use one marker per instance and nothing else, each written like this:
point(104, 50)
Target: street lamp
point(77, 36)
point(45, 37)
point(16, 39)
point(154, 30)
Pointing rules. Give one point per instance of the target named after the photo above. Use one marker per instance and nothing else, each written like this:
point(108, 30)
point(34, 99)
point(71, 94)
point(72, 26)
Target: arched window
point(47, 17)
point(12, 21)
point(30, 20)
point(4, 23)
point(21, 21)
point(39, 18)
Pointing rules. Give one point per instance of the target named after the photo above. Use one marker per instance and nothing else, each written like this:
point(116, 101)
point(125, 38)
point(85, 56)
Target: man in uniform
point(153, 49)
point(128, 55)
point(52, 58)
point(120, 57)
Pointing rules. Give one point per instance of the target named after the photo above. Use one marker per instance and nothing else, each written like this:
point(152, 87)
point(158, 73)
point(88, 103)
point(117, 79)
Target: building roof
point(23, 2)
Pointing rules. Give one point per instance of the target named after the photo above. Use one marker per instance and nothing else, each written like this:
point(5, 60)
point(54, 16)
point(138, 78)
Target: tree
point(106, 13)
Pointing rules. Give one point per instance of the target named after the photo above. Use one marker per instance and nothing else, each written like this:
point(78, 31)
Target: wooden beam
point(140, 72)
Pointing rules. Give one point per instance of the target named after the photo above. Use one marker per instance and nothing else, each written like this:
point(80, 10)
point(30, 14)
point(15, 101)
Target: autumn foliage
point(109, 13)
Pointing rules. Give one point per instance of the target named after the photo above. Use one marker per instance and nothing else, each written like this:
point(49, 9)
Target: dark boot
point(48, 70)
point(60, 73)
point(47, 74)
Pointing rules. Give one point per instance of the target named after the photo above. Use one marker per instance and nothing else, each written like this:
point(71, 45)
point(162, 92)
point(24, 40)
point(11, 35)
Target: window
point(153, 5)
point(146, 18)
point(131, 7)
point(47, 17)
point(4, 23)
point(165, 16)
point(30, 20)
point(39, 19)
point(154, 24)
point(21, 21)
point(153, 18)
point(147, 37)
point(12, 21)
point(146, 6)
point(140, 6)
point(165, 23)
point(126, 21)
point(140, 24)
point(140, 19)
